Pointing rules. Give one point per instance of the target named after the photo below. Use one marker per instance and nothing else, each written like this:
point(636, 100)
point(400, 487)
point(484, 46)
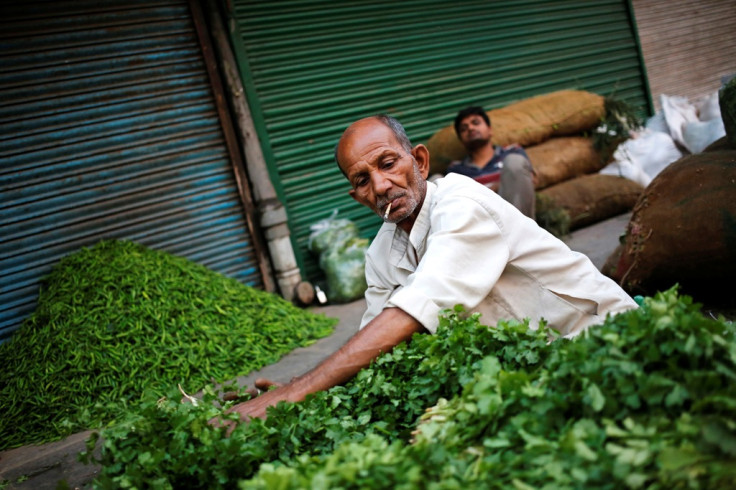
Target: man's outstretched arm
point(391, 327)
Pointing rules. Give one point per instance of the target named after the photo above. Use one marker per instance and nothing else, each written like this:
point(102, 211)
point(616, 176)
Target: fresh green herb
point(645, 400)
point(119, 318)
point(552, 217)
point(619, 120)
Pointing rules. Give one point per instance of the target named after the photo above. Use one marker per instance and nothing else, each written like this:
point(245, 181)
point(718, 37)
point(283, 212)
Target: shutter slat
point(687, 46)
point(109, 130)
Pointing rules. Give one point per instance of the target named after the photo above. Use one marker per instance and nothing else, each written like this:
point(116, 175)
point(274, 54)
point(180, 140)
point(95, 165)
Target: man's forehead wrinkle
point(370, 149)
point(364, 143)
point(372, 155)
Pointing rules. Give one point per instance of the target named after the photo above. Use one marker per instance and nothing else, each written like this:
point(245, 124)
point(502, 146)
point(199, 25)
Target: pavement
point(43, 466)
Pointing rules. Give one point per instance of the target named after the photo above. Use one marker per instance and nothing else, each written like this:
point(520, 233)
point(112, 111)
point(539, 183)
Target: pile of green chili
point(117, 319)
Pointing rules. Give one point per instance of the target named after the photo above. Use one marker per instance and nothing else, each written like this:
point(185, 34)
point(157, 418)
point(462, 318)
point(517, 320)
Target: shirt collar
point(497, 151)
point(400, 256)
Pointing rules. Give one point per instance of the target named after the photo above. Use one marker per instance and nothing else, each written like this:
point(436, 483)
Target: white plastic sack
point(677, 111)
point(642, 157)
point(699, 134)
point(657, 123)
point(627, 169)
point(708, 107)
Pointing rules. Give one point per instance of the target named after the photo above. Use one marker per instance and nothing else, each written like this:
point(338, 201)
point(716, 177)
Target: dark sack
point(683, 231)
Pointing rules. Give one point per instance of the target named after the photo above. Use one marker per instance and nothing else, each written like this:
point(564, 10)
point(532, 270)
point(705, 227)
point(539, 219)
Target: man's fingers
point(234, 395)
point(261, 385)
point(218, 422)
point(264, 384)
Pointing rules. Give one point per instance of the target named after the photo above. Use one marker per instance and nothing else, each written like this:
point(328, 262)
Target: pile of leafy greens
point(117, 319)
point(647, 399)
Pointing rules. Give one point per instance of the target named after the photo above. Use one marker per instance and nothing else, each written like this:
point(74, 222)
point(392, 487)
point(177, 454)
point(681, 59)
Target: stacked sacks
point(591, 198)
point(559, 159)
point(550, 127)
point(526, 123)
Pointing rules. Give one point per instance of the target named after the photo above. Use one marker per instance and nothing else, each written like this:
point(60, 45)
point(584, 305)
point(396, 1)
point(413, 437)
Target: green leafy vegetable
point(620, 119)
point(117, 319)
point(645, 400)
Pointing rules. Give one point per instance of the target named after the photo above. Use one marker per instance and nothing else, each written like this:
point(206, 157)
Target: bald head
point(389, 122)
point(386, 174)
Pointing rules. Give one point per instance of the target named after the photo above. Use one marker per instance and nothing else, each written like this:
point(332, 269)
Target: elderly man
point(505, 169)
point(441, 244)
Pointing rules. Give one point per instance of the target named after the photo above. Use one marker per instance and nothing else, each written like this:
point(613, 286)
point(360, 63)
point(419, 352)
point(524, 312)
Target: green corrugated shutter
point(312, 67)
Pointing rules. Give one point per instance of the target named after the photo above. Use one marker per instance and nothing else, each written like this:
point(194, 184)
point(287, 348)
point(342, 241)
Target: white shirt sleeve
point(377, 294)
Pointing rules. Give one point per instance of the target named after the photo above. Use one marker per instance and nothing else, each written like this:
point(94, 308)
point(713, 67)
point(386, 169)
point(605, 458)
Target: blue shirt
point(466, 167)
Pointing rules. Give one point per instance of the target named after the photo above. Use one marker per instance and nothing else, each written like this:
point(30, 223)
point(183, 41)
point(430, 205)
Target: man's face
point(474, 132)
point(380, 171)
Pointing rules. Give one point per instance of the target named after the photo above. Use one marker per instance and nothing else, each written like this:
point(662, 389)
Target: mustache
point(383, 201)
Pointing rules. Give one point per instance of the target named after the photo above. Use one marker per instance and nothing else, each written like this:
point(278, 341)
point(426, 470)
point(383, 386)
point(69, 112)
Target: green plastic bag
point(344, 267)
point(331, 232)
point(341, 257)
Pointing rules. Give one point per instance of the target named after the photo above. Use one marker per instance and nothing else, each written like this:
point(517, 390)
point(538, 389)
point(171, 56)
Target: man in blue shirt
point(505, 169)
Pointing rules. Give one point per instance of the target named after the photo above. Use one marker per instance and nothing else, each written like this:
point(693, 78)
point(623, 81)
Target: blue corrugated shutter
point(109, 129)
point(313, 67)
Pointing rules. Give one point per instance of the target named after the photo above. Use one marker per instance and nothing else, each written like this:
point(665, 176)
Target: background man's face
point(380, 171)
point(474, 132)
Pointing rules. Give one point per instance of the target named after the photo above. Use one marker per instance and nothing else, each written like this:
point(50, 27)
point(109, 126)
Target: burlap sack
point(592, 198)
point(527, 122)
point(719, 145)
point(444, 148)
point(727, 104)
point(683, 231)
point(563, 158)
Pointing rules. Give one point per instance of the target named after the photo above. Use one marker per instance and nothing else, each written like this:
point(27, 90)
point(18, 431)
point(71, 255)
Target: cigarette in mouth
point(388, 210)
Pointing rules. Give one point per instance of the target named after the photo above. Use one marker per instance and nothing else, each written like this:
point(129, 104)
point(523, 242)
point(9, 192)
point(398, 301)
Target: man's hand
point(256, 407)
point(388, 329)
point(249, 409)
point(263, 384)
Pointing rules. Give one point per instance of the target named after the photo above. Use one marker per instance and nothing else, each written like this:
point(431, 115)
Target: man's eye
point(388, 163)
point(360, 182)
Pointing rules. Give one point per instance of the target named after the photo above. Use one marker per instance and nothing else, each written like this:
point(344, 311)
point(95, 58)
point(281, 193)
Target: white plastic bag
point(642, 157)
point(677, 111)
point(698, 135)
point(708, 107)
point(658, 123)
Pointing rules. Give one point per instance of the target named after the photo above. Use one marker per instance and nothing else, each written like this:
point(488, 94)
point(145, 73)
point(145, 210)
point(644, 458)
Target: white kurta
point(469, 246)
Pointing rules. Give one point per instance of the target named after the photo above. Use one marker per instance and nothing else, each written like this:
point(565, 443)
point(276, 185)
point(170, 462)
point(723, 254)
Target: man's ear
point(421, 155)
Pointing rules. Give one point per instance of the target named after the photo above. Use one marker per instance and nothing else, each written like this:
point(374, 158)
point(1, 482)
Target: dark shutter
point(109, 129)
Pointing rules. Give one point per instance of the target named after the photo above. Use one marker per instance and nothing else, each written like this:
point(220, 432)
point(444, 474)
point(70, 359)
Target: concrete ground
point(42, 467)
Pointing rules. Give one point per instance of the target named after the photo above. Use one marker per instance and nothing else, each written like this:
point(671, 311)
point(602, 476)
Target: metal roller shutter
point(313, 67)
point(109, 129)
point(688, 46)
